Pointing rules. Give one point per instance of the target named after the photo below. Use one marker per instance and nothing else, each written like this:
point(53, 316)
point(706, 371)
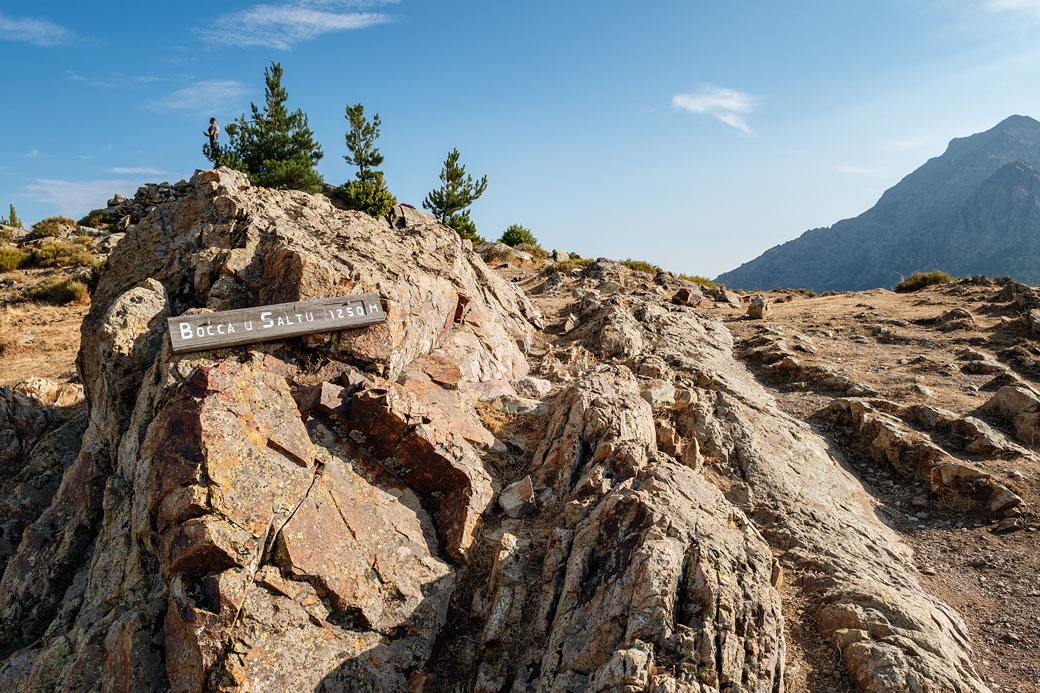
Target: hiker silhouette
point(213, 133)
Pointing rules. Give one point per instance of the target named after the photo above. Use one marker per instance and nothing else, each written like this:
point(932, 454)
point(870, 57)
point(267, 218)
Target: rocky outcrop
point(408, 506)
point(785, 479)
point(189, 542)
point(883, 436)
point(41, 433)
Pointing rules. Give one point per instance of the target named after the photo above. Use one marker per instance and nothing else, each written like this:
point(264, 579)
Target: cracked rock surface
point(369, 510)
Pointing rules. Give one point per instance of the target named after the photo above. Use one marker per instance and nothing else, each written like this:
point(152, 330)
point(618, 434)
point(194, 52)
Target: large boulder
point(203, 535)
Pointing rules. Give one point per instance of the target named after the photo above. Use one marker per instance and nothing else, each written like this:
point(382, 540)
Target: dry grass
point(697, 279)
point(640, 266)
point(8, 335)
point(39, 339)
point(536, 251)
point(493, 419)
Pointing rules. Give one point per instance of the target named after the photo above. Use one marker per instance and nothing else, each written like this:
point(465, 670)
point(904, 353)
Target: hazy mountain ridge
point(973, 210)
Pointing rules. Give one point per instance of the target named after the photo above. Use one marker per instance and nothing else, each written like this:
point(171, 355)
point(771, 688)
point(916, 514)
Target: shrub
point(50, 227)
point(573, 263)
point(6, 235)
point(93, 219)
point(12, 259)
point(697, 279)
point(81, 239)
point(516, 234)
point(640, 266)
point(60, 254)
point(59, 292)
point(368, 196)
point(808, 293)
point(919, 280)
point(536, 251)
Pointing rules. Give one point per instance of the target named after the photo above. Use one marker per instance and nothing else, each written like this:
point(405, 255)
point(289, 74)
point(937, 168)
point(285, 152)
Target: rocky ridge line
point(405, 507)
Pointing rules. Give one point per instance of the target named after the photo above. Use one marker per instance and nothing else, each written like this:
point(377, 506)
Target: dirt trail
point(899, 346)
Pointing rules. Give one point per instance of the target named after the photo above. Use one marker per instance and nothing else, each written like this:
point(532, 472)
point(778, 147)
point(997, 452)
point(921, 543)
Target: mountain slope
point(973, 210)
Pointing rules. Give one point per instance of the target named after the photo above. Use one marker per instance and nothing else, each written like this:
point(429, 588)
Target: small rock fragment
point(518, 499)
point(510, 404)
point(658, 392)
point(532, 387)
point(685, 297)
point(759, 308)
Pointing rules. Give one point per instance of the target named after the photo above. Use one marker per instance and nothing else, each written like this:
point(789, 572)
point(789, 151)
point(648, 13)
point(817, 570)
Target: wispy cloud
point(1027, 6)
point(728, 105)
point(31, 154)
point(859, 170)
point(202, 97)
point(136, 171)
point(283, 26)
point(38, 32)
point(76, 198)
point(113, 82)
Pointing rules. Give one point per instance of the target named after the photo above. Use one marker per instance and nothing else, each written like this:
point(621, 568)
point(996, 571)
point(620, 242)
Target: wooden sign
point(264, 323)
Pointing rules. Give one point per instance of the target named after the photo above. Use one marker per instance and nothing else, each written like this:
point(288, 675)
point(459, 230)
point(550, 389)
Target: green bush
point(808, 293)
point(60, 254)
point(93, 219)
point(368, 196)
point(59, 292)
point(640, 266)
point(50, 227)
point(6, 235)
point(697, 279)
point(12, 259)
point(516, 234)
point(919, 280)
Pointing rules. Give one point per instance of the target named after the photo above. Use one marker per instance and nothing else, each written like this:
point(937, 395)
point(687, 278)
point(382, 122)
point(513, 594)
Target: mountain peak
point(1018, 121)
point(911, 226)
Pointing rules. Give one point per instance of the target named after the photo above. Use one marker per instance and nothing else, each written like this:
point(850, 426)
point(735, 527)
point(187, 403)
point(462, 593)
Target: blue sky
point(690, 134)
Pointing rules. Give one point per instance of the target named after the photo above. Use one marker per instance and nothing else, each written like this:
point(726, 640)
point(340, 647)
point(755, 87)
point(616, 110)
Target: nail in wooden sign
point(265, 323)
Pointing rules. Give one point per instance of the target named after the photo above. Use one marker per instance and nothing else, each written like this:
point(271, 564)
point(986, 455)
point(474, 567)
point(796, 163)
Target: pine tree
point(275, 147)
point(12, 220)
point(361, 140)
point(369, 192)
point(457, 192)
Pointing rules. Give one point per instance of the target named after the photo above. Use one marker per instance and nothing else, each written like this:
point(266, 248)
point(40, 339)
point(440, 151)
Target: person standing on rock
point(213, 133)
